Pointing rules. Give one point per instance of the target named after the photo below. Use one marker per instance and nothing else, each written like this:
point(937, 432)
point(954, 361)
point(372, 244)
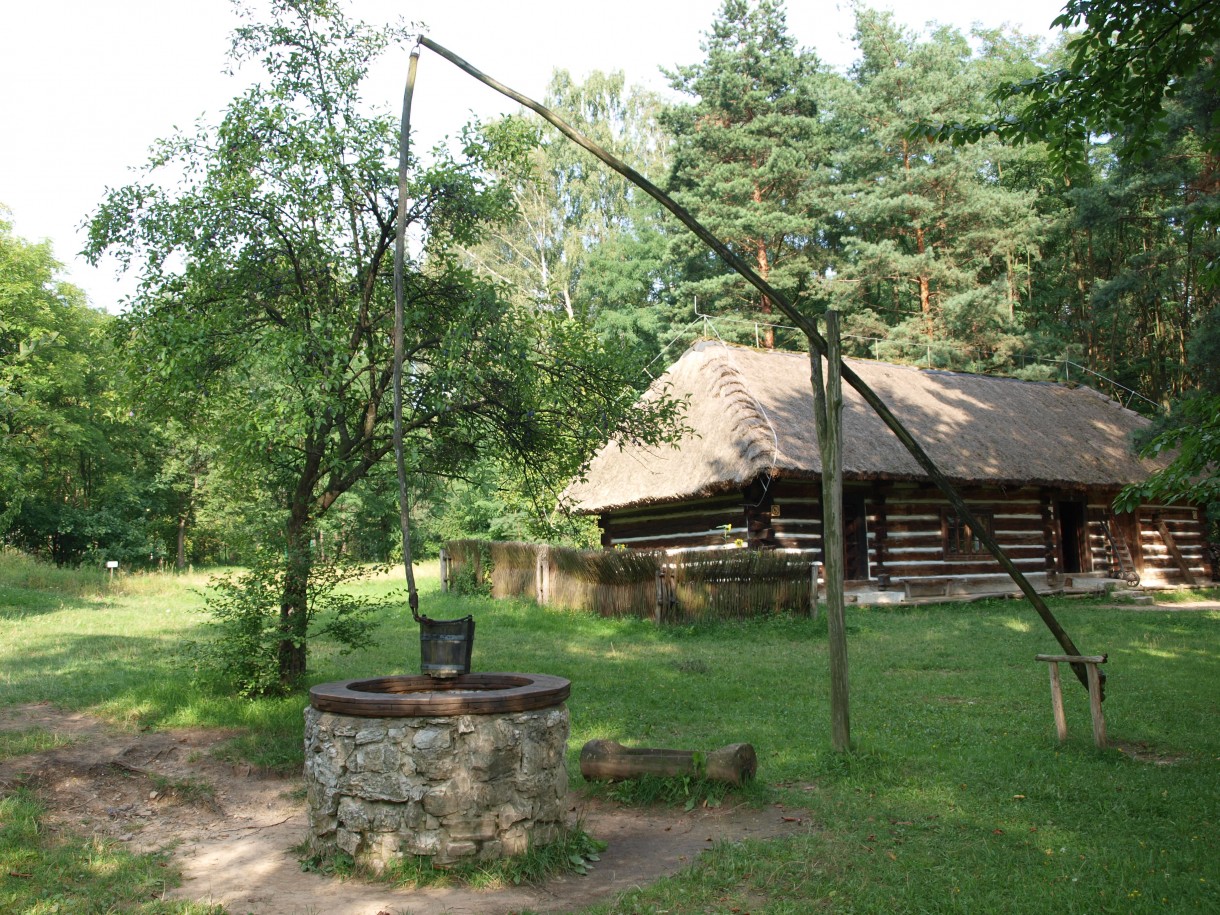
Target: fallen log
point(609, 760)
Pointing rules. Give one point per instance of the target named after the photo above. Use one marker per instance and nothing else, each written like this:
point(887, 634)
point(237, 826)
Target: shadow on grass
point(17, 603)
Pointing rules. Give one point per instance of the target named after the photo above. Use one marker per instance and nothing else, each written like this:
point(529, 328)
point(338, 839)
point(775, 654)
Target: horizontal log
point(609, 760)
point(730, 502)
point(941, 569)
point(700, 524)
point(681, 541)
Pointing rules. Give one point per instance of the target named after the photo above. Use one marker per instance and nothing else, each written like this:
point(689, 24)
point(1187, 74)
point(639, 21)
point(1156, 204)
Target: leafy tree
point(1128, 59)
point(582, 239)
point(263, 245)
point(1144, 75)
point(77, 468)
point(750, 154)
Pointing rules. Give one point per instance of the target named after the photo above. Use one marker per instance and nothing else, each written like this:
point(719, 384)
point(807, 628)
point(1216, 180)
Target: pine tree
point(749, 156)
point(937, 239)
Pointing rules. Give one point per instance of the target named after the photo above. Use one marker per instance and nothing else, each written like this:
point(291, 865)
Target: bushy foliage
point(243, 654)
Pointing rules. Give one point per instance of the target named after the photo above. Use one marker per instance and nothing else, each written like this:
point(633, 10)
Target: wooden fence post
point(542, 576)
point(666, 592)
point(813, 590)
point(444, 570)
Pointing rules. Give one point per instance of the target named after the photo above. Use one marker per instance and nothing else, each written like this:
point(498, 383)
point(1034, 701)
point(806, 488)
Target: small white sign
point(112, 563)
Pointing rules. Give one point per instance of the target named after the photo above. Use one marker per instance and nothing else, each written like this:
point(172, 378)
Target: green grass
point(42, 873)
point(957, 797)
point(30, 740)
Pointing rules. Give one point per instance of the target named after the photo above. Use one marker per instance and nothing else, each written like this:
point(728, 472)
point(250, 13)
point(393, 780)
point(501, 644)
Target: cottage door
point(1073, 538)
point(855, 538)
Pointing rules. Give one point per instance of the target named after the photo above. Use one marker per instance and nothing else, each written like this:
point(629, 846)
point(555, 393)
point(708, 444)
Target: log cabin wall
point(923, 540)
point(700, 524)
point(908, 531)
point(1179, 558)
point(905, 528)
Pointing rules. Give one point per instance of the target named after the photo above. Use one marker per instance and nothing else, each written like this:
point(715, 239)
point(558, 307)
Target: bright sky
point(89, 85)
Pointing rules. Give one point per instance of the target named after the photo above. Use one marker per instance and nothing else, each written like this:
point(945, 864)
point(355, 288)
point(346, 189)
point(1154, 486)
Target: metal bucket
point(445, 646)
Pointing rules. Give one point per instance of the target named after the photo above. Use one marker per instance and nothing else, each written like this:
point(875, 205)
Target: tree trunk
point(294, 605)
point(180, 557)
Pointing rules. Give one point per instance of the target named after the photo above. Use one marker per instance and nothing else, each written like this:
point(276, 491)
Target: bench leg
point(1099, 717)
point(1061, 727)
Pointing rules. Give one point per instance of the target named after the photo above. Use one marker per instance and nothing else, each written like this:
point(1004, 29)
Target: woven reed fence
point(735, 584)
point(740, 584)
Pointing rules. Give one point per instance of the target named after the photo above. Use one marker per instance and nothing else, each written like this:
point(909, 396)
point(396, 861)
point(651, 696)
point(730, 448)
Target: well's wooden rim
point(417, 696)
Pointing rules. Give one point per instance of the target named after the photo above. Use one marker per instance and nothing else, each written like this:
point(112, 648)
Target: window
point(960, 541)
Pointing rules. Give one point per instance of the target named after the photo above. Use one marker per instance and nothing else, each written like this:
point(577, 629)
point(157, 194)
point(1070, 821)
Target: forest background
point(551, 292)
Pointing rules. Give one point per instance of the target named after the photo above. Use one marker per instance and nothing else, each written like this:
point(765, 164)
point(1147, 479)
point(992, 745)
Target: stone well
point(467, 769)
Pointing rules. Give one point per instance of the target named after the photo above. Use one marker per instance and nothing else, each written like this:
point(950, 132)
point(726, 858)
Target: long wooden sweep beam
point(817, 342)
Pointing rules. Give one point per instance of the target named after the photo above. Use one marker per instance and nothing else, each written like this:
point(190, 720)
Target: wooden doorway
point(1073, 537)
point(855, 538)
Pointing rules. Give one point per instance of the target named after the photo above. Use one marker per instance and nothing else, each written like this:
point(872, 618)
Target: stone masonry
point(466, 787)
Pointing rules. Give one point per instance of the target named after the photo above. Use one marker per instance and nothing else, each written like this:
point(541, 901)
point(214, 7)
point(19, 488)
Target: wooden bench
point(1095, 696)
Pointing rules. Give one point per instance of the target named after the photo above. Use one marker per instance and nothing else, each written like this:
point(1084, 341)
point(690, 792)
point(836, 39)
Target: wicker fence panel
point(740, 585)
point(513, 569)
point(618, 583)
point(467, 562)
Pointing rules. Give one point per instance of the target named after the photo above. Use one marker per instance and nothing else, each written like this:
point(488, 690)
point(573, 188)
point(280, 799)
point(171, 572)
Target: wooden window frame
point(953, 532)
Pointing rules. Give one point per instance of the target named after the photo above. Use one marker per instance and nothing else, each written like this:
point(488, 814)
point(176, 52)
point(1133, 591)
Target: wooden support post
point(828, 409)
point(1099, 716)
point(813, 590)
point(542, 584)
point(666, 587)
point(444, 570)
point(1061, 725)
point(1090, 663)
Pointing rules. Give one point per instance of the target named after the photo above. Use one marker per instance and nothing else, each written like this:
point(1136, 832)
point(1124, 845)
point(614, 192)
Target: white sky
point(89, 85)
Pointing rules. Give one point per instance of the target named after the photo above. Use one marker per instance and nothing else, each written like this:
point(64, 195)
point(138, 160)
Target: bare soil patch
point(233, 829)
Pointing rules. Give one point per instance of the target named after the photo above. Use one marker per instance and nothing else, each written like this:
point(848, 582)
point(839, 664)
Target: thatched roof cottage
point(1041, 462)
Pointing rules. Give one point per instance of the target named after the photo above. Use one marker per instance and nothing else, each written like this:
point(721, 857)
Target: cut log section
point(609, 760)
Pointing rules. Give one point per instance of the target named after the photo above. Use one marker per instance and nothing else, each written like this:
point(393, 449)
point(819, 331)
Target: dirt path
point(233, 829)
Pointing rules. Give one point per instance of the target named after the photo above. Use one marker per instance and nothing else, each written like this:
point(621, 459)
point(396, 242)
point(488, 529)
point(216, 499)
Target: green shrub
point(243, 654)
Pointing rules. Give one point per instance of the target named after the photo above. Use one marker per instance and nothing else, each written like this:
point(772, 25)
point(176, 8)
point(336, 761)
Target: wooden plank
point(1072, 658)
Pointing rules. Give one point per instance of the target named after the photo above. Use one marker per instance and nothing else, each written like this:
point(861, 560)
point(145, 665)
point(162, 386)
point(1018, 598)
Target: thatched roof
point(752, 413)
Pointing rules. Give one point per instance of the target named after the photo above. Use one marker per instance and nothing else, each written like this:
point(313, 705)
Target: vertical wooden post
point(1061, 726)
point(542, 584)
point(813, 590)
point(660, 595)
point(829, 408)
point(444, 570)
point(1099, 718)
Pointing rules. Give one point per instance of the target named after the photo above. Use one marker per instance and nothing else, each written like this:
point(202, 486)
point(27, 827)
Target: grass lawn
point(956, 798)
